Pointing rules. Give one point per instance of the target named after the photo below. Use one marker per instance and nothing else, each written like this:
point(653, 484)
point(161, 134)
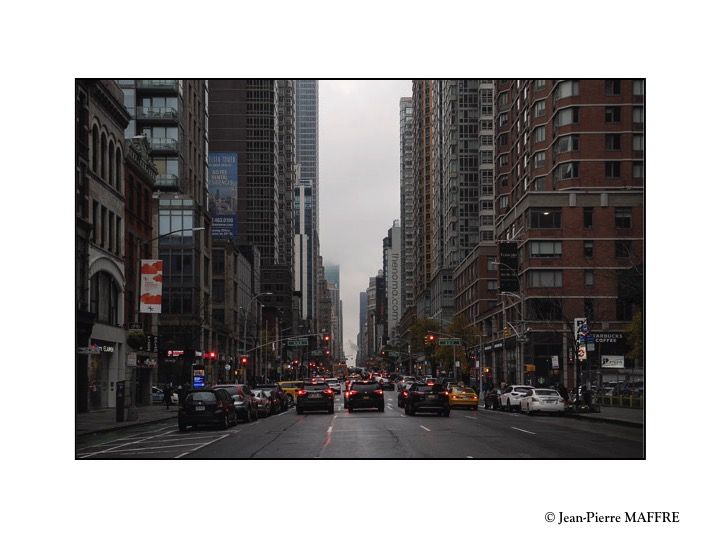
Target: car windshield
point(331, 381)
point(465, 390)
point(546, 393)
point(522, 389)
point(201, 396)
point(259, 393)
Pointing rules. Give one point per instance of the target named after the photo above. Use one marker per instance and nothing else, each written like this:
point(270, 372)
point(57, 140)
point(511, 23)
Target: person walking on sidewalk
point(167, 396)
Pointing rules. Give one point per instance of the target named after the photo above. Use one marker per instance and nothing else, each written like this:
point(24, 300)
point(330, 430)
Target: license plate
point(199, 407)
point(366, 397)
point(315, 396)
point(431, 397)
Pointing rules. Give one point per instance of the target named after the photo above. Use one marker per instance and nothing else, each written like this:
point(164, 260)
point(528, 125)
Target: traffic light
point(212, 355)
point(430, 339)
point(327, 352)
point(326, 338)
point(244, 360)
point(506, 331)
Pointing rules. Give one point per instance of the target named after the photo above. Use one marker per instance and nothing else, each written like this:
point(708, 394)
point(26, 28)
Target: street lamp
point(245, 330)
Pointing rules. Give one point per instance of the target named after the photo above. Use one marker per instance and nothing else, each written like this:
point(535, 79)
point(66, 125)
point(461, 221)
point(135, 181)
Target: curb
point(606, 420)
point(124, 425)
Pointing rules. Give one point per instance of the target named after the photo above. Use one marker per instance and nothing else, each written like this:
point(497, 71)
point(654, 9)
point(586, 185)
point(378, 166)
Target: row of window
point(107, 229)
point(106, 159)
point(550, 218)
point(553, 248)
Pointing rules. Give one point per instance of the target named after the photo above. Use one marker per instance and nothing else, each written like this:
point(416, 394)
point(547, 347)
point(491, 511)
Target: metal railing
point(157, 113)
point(158, 84)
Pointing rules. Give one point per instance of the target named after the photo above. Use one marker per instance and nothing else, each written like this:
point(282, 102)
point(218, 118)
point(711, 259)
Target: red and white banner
point(151, 286)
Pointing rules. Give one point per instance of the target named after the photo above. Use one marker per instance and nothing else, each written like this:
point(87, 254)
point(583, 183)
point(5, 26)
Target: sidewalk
point(614, 415)
point(103, 420)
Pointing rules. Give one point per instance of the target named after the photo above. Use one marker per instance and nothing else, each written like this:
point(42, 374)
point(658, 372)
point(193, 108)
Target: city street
point(369, 434)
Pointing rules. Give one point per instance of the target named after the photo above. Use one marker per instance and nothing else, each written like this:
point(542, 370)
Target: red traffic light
point(244, 360)
point(431, 337)
point(326, 338)
point(212, 355)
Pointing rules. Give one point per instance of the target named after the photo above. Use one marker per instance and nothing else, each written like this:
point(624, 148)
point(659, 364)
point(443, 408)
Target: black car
point(427, 398)
point(492, 399)
point(280, 400)
point(207, 406)
point(315, 396)
point(365, 395)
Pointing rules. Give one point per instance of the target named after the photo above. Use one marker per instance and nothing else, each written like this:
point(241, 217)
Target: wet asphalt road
point(369, 434)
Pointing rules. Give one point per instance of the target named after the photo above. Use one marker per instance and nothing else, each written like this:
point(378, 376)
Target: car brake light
point(445, 394)
point(405, 393)
point(352, 392)
point(328, 391)
point(301, 392)
point(378, 392)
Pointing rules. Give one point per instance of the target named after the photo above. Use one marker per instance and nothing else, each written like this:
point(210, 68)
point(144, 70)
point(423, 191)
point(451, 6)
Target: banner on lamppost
point(151, 274)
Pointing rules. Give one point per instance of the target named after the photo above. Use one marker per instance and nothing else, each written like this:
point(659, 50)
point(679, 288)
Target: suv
point(510, 396)
point(427, 397)
point(315, 395)
point(207, 406)
point(365, 395)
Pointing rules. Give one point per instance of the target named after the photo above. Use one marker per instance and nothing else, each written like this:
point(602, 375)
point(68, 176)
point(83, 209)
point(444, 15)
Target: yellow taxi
point(461, 396)
point(291, 388)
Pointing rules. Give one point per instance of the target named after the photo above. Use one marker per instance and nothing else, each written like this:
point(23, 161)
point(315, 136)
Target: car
point(334, 384)
point(492, 399)
point(280, 401)
point(348, 387)
point(315, 396)
point(244, 401)
point(542, 400)
point(427, 398)
point(264, 402)
point(510, 396)
point(290, 388)
point(207, 406)
point(366, 395)
point(158, 396)
point(463, 396)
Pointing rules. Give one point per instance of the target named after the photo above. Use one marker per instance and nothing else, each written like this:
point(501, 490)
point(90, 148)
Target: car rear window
point(546, 393)
point(522, 388)
point(331, 381)
point(201, 396)
point(423, 388)
point(365, 386)
point(315, 387)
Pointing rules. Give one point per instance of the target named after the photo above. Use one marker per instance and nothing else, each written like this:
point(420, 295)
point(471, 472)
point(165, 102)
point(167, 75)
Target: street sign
point(591, 346)
point(449, 341)
point(393, 354)
point(300, 342)
point(578, 325)
point(555, 362)
point(227, 367)
point(582, 354)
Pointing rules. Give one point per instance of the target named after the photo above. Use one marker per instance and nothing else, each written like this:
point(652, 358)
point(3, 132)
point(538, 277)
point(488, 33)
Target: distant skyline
point(359, 181)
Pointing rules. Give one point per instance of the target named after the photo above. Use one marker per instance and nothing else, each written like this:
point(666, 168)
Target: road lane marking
point(426, 429)
point(469, 457)
point(202, 446)
point(329, 430)
point(471, 417)
point(402, 416)
point(530, 432)
point(126, 444)
point(282, 413)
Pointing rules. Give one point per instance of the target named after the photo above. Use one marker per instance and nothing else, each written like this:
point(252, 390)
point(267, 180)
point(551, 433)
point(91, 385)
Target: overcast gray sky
point(359, 182)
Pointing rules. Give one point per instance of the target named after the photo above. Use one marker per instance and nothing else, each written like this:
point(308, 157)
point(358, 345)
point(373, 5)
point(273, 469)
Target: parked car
point(463, 396)
point(243, 400)
point(279, 398)
point(207, 406)
point(290, 388)
point(542, 400)
point(510, 397)
point(315, 396)
point(492, 399)
point(427, 398)
point(334, 384)
point(158, 396)
point(366, 395)
point(264, 402)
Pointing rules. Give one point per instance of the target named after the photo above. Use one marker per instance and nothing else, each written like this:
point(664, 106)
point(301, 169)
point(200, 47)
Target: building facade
point(407, 197)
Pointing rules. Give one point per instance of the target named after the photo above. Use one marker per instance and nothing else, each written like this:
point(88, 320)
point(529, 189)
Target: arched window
point(103, 157)
point(95, 149)
point(111, 164)
point(118, 170)
point(104, 298)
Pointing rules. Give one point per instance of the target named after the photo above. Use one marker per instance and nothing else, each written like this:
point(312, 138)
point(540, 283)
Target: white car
point(510, 397)
point(542, 400)
point(334, 385)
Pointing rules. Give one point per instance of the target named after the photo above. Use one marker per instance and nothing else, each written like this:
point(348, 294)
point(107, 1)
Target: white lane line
point(202, 446)
point(282, 413)
point(426, 429)
point(334, 417)
point(329, 430)
point(469, 457)
point(402, 416)
point(471, 417)
point(530, 432)
point(142, 448)
point(126, 444)
point(390, 407)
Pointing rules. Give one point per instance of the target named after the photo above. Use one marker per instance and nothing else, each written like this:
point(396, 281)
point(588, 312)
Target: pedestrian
point(167, 396)
point(563, 392)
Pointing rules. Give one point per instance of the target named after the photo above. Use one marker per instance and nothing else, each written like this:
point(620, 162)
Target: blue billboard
point(222, 189)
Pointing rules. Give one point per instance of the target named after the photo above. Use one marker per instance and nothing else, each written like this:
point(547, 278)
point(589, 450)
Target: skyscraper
point(393, 272)
point(407, 196)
